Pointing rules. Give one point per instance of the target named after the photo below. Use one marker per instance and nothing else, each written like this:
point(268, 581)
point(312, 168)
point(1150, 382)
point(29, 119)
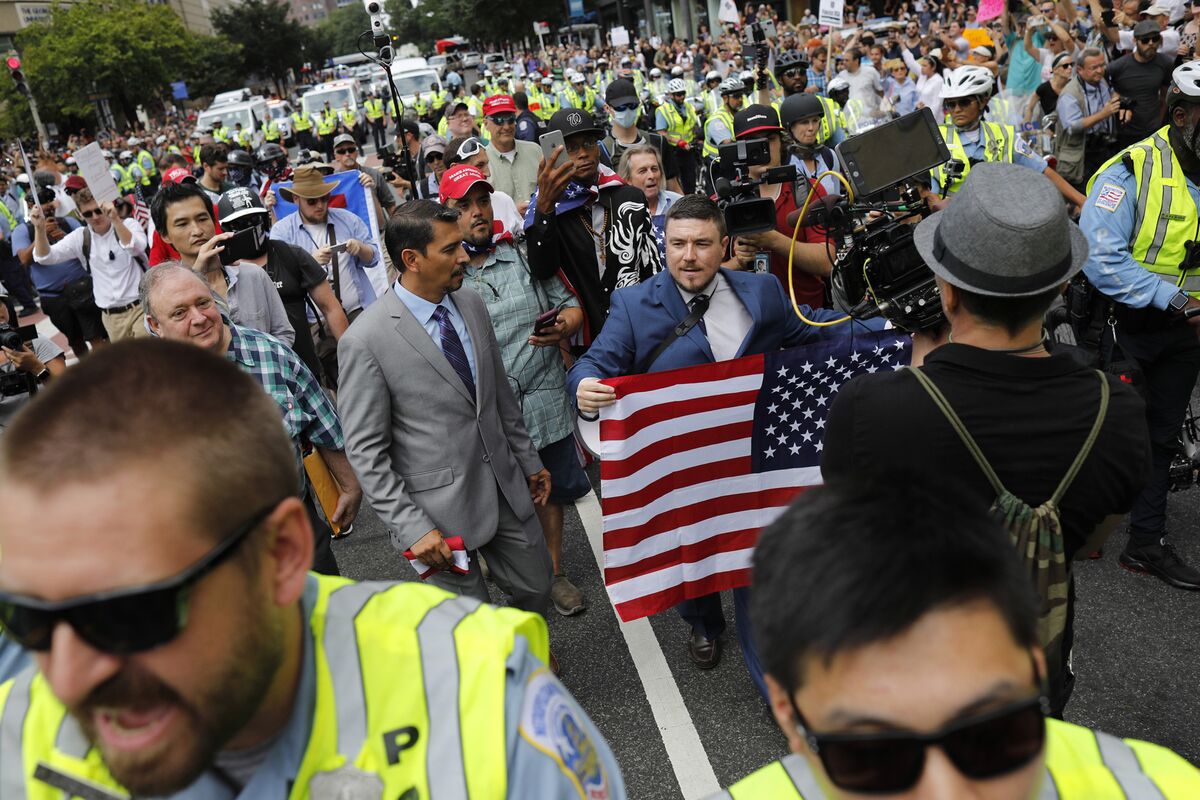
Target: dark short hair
point(1010, 313)
point(696, 206)
point(859, 562)
point(214, 153)
point(76, 433)
point(172, 160)
point(854, 53)
point(170, 193)
point(411, 228)
point(521, 101)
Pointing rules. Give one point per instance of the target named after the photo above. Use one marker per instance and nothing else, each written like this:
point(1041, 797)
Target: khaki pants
point(125, 324)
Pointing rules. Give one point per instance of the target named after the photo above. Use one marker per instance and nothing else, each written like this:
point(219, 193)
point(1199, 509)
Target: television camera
point(737, 192)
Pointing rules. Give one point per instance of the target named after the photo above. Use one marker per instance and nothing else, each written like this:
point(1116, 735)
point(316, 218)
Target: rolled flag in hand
point(461, 562)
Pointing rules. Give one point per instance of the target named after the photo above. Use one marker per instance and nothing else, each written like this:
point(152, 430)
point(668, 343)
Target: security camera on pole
point(18, 75)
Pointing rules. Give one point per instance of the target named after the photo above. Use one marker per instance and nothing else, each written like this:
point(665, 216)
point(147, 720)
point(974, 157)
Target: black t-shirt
point(1030, 417)
point(1142, 82)
point(1047, 97)
point(295, 273)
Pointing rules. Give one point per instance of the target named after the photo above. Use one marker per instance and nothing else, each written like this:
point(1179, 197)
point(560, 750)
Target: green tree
point(340, 31)
point(512, 19)
point(271, 44)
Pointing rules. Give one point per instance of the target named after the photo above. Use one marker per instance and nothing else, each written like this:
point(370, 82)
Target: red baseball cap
point(499, 104)
point(74, 182)
point(458, 180)
point(177, 175)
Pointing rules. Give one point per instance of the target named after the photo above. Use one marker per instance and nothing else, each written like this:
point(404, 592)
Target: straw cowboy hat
point(308, 181)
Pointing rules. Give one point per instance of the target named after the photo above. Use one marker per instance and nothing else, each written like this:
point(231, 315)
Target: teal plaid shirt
point(536, 374)
point(308, 415)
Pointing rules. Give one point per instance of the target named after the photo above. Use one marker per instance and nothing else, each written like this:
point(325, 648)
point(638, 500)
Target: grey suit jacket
point(427, 456)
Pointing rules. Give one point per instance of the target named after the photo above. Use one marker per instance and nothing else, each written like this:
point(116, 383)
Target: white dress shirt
point(726, 323)
point(115, 272)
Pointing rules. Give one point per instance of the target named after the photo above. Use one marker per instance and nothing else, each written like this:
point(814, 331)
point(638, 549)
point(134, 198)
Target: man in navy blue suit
point(739, 314)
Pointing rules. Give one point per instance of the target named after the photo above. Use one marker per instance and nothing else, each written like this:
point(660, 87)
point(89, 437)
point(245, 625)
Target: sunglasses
point(626, 107)
point(1155, 39)
point(791, 73)
point(503, 119)
point(95, 212)
point(345, 151)
point(470, 147)
point(1065, 65)
point(980, 748)
point(957, 103)
point(72, 192)
point(121, 621)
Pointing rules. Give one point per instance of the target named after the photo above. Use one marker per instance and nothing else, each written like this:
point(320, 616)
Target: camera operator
point(1002, 252)
point(812, 257)
point(802, 116)
point(1141, 256)
point(37, 362)
point(973, 141)
point(1088, 110)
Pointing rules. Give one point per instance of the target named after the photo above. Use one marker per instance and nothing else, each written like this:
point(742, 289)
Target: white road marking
point(684, 748)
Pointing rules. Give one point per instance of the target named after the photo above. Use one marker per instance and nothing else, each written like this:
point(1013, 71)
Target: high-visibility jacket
point(711, 149)
point(145, 162)
point(8, 215)
point(127, 178)
point(243, 138)
point(681, 127)
point(348, 117)
point(1166, 214)
point(439, 99)
point(270, 131)
point(549, 105)
point(475, 108)
point(327, 122)
point(831, 122)
point(420, 105)
point(713, 102)
point(374, 109)
point(407, 677)
point(301, 122)
point(586, 101)
point(221, 134)
point(196, 154)
point(1081, 764)
point(998, 141)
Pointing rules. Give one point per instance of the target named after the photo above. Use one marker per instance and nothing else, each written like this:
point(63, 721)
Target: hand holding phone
point(340, 247)
point(551, 140)
point(547, 320)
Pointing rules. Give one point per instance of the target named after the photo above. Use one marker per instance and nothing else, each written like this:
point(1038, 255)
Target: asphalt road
point(1137, 658)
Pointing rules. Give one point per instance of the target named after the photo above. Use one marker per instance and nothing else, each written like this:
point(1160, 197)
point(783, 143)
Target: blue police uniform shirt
point(1108, 222)
point(972, 143)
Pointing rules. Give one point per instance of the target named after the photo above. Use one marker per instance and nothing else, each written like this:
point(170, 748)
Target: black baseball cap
point(620, 92)
point(573, 120)
point(755, 119)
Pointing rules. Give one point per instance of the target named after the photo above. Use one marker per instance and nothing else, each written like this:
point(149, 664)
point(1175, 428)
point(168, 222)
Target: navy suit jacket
point(641, 317)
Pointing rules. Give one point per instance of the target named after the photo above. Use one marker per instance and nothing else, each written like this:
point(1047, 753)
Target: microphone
point(378, 34)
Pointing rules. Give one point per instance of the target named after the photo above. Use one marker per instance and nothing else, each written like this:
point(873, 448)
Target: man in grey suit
point(432, 428)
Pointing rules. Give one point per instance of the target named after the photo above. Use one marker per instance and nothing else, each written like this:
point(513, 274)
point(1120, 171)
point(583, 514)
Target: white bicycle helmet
point(676, 86)
point(656, 73)
point(968, 81)
point(578, 78)
point(1185, 84)
point(134, 141)
point(731, 86)
point(746, 75)
point(837, 84)
point(712, 75)
point(676, 72)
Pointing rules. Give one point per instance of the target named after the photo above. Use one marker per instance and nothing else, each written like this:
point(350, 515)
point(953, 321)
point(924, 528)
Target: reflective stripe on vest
point(680, 127)
point(374, 109)
point(998, 141)
point(1166, 216)
point(127, 181)
point(149, 169)
point(1120, 758)
point(8, 215)
point(301, 122)
point(831, 121)
point(711, 149)
point(12, 726)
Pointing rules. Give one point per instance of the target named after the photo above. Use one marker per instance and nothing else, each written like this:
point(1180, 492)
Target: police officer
point(220, 132)
point(677, 121)
point(908, 664)
point(270, 130)
point(718, 128)
point(145, 161)
point(791, 73)
point(972, 140)
point(1141, 256)
point(302, 127)
point(438, 98)
point(190, 652)
point(373, 107)
point(327, 122)
point(578, 95)
point(125, 172)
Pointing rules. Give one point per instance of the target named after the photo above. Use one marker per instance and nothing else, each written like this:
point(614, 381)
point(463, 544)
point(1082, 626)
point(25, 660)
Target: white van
point(336, 93)
point(413, 81)
point(250, 113)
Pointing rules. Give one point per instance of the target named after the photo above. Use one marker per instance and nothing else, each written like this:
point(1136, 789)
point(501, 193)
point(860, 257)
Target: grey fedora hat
point(1005, 234)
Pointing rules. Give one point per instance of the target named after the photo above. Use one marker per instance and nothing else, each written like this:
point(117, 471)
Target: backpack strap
point(87, 248)
point(943, 405)
point(1077, 464)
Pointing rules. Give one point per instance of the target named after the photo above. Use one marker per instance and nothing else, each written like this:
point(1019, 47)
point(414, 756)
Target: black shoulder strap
point(87, 248)
point(336, 280)
point(685, 325)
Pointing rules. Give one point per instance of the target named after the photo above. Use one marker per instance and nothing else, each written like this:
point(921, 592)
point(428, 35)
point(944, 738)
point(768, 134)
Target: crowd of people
point(434, 348)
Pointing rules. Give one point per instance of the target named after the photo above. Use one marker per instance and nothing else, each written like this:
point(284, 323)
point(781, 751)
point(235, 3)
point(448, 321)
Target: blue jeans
point(707, 618)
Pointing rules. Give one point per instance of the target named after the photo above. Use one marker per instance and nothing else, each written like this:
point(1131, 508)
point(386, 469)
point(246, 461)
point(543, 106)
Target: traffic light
point(18, 75)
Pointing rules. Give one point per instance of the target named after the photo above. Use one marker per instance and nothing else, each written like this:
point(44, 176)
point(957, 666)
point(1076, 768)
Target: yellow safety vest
point(550, 105)
point(439, 99)
point(831, 122)
point(475, 108)
point(270, 130)
point(127, 181)
point(998, 141)
point(586, 101)
point(221, 134)
point(1081, 764)
point(374, 109)
point(146, 162)
point(196, 155)
point(301, 122)
point(243, 137)
point(711, 150)
point(680, 127)
point(443, 127)
point(1159, 232)
point(8, 215)
point(327, 122)
point(348, 117)
point(420, 105)
point(409, 688)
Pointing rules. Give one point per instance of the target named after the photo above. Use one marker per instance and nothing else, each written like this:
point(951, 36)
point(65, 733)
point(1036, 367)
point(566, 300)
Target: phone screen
point(551, 140)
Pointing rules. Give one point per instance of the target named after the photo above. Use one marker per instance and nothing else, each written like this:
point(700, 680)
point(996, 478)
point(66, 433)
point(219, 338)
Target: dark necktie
point(452, 348)
point(697, 306)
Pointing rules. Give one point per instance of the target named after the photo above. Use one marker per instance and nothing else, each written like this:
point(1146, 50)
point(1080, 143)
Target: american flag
point(141, 211)
point(695, 461)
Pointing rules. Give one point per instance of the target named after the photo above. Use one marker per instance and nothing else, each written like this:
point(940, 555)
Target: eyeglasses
point(958, 103)
point(470, 147)
point(503, 119)
point(981, 747)
point(124, 620)
point(1152, 39)
point(345, 151)
point(575, 145)
point(95, 212)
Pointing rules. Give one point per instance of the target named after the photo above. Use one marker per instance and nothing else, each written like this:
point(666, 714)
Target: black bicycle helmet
point(789, 59)
point(798, 107)
point(240, 158)
point(271, 159)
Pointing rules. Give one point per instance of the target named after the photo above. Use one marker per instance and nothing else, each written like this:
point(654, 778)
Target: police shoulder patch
point(551, 722)
point(1109, 197)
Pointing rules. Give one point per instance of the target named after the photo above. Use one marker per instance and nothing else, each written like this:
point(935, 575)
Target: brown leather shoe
point(554, 665)
point(705, 653)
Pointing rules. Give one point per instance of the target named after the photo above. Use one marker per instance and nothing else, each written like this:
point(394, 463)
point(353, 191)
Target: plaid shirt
point(817, 78)
point(536, 374)
point(308, 415)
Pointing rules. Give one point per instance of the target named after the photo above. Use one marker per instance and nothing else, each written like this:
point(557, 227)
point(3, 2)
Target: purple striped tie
point(452, 348)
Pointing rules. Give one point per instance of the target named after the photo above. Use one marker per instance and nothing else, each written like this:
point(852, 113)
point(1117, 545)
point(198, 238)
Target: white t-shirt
point(865, 86)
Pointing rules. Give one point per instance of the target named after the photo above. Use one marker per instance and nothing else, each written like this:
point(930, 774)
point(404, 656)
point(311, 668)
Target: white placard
point(728, 12)
point(832, 13)
point(94, 170)
point(619, 36)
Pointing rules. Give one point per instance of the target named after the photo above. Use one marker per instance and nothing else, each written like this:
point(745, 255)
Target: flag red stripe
point(612, 430)
point(721, 370)
point(684, 554)
point(688, 440)
point(677, 518)
point(701, 473)
point(654, 603)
